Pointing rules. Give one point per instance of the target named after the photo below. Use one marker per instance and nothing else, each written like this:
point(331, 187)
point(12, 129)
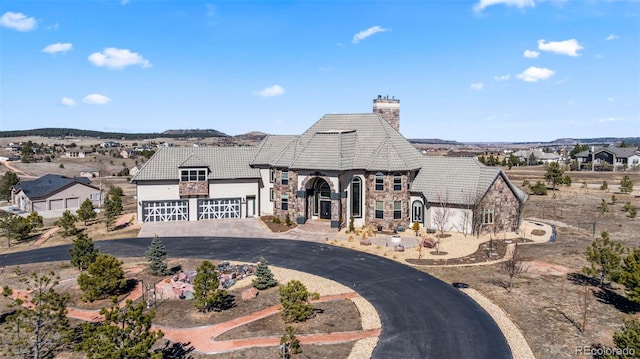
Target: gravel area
point(519, 347)
point(362, 348)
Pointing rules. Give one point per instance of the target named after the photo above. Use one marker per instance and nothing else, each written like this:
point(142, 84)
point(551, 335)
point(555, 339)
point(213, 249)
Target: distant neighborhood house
point(53, 192)
point(540, 156)
point(613, 158)
point(77, 153)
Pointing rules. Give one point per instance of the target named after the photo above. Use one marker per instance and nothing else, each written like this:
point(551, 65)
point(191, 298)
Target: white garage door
point(165, 211)
point(219, 208)
point(73, 203)
point(56, 204)
point(39, 206)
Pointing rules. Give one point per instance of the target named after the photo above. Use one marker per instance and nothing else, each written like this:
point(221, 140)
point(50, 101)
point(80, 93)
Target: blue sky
point(476, 70)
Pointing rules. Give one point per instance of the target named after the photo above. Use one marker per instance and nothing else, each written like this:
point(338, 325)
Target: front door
point(325, 209)
point(251, 206)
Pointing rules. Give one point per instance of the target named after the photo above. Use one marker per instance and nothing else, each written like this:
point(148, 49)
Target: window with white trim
point(397, 209)
point(193, 175)
point(272, 175)
point(487, 216)
point(284, 202)
point(379, 181)
point(285, 177)
point(397, 182)
point(356, 197)
point(272, 195)
point(379, 209)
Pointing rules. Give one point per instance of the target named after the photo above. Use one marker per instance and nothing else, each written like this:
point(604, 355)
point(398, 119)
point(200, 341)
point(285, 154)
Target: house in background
point(540, 156)
point(344, 166)
point(77, 153)
point(609, 158)
point(54, 192)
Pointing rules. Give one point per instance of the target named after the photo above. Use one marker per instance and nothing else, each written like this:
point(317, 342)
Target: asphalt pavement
point(422, 317)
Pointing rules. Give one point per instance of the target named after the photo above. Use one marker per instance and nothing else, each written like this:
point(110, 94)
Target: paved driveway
point(422, 317)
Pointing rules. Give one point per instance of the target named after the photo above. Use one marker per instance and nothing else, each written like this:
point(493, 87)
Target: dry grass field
point(549, 300)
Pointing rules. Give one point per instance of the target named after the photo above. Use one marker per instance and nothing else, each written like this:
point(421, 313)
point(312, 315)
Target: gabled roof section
point(271, 148)
point(193, 161)
point(223, 163)
point(459, 180)
point(622, 152)
point(49, 184)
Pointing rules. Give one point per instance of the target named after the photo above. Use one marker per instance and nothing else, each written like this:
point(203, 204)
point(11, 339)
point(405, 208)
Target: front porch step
point(315, 226)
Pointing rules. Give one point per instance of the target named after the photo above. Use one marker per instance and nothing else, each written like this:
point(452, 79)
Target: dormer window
point(193, 175)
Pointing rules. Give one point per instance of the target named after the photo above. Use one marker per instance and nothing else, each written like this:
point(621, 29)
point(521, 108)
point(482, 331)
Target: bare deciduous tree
point(586, 297)
point(513, 266)
point(441, 216)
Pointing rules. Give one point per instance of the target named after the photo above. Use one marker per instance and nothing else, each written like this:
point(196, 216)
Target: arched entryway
point(319, 197)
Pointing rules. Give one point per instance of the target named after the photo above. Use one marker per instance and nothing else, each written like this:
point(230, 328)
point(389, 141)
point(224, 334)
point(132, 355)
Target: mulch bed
point(538, 232)
point(277, 227)
point(498, 251)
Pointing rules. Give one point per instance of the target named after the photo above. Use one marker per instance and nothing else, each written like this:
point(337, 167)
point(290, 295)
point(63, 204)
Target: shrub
point(294, 298)
point(103, 278)
point(538, 189)
point(287, 220)
point(264, 277)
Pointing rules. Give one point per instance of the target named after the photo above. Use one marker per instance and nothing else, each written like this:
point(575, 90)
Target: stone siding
point(388, 196)
point(506, 206)
point(290, 189)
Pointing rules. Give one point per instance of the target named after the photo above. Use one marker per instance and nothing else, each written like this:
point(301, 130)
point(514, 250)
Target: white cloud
point(483, 4)
point(96, 99)
point(476, 86)
point(610, 119)
point(124, 2)
point(534, 74)
point(115, 58)
point(612, 37)
point(530, 54)
point(502, 77)
point(368, 32)
point(18, 21)
point(69, 102)
point(567, 47)
point(275, 90)
point(55, 26)
point(211, 10)
point(57, 47)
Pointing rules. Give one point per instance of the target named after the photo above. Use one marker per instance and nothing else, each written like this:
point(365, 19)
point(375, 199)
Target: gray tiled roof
point(460, 180)
point(270, 148)
point(223, 162)
point(343, 141)
point(48, 184)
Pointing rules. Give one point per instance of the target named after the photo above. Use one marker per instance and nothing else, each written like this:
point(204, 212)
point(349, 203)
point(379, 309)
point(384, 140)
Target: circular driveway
point(422, 317)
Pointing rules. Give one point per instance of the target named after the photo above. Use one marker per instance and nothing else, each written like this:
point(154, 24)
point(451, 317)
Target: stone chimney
point(388, 109)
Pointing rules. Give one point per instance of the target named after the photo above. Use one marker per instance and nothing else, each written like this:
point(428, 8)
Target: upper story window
point(285, 177)
point(193, 175)
point(379, 181)
point(284, 202)
point(272, 175)
point(397, 182)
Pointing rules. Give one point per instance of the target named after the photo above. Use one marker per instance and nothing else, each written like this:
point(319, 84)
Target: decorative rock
point(249, 294)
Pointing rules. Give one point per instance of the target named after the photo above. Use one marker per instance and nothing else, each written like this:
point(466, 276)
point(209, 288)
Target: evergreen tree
point(41, 328)
point(626, 184)
point(103, 278)
point(290, 343)
point(36, 220)
point(125, 333)
point(264, 278)
point(68, 223)
point(15, 227)
point(157, 255)
point(112, 209)
point(554, 174)
point(604, 186)
point(26, 154)
point(9, 180)
point(207, 294)
point(604, 256)
point(627, 340)
point(294, 298)
point(630, 275)
point(86, 211)
point(604, 206)
point(83, 253)
point(538, 189)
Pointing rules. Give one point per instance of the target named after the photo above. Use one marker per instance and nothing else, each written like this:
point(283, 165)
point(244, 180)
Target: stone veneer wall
point(290, 189)
point(506, 207)
point(388, 195)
